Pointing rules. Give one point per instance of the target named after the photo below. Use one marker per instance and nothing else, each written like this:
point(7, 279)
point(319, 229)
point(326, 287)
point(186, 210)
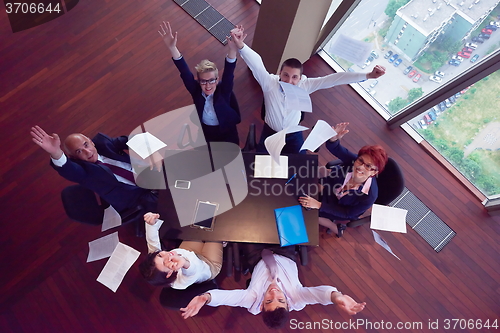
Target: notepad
point(266, 167)
point(291, 225)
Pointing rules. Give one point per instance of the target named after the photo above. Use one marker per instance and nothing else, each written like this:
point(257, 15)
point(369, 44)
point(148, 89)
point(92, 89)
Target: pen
point(291, 178)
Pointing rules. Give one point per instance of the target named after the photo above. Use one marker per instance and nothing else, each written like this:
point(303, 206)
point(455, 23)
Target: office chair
point(251, 142)
point(81, 205)
point(390, 183)
point(175, 299)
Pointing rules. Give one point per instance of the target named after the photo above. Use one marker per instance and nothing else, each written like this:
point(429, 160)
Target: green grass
point(459, 125)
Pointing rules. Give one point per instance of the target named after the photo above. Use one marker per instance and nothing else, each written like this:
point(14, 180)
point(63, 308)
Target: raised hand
point(150, 218)
point(50, 143)
point(376, 72)
point(169, 38)
point(238, 36)
point(348, 304)
point(194, 306)
point(341, 131)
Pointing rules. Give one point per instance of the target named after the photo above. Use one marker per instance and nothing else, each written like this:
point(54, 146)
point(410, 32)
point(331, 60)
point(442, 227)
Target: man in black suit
point(100, 164)
point(214, 99)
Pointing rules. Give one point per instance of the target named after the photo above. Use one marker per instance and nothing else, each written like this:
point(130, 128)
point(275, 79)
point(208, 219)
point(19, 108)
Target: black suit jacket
point(225, 103)
point(100, 178)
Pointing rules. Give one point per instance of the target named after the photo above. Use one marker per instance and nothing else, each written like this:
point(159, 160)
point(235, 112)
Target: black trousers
point(214, 134)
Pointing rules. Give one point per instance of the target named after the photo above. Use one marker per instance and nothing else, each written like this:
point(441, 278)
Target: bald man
point(101, 165)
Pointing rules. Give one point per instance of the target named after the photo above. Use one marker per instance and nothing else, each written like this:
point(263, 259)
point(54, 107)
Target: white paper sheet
point(321, 132)
point(351, 49)
point(102, 247)
point(388, 218)
point(266, 167)
point(110, 219)
point(296, 98)
point(383, 243)
point(119, 263)
point(275, 143)
point(145, 144)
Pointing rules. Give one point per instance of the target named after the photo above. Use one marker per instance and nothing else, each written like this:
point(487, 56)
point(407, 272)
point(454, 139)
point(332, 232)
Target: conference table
point(252, 220)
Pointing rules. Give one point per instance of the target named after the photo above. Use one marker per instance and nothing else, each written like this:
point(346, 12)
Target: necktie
point(128, 175)
point(271, 264)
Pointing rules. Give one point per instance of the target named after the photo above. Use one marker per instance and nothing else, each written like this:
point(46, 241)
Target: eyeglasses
point(211, 81)
point(370, 167)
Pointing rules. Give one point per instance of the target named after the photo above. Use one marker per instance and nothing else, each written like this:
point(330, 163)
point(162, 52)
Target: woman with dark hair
point(349, 190)
point(192, 262)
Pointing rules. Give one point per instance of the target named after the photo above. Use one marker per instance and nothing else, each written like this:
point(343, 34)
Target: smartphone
point(205, 213)
point(182, 184)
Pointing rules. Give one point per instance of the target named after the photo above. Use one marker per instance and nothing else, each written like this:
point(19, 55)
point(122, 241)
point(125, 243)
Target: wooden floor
point(103, 67)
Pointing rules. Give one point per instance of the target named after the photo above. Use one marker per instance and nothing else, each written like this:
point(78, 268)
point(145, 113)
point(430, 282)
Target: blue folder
point(291, 226)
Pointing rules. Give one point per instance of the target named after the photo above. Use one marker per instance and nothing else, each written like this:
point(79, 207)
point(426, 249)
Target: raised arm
point(50, 143)
point(233, 48)
point(376, 72)
point(170, 39)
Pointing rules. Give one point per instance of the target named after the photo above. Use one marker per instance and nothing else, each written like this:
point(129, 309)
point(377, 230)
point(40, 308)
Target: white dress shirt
point(198, 270)
point(251, 298)
point(276, 116)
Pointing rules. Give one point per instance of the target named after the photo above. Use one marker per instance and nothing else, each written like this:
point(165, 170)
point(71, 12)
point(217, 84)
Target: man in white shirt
point(277, 117)
point(274, 297)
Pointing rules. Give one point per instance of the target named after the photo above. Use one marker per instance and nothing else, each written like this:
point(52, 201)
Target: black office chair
point(251, 142)
point(390, 183)
point(81, 205)
point(175, 299)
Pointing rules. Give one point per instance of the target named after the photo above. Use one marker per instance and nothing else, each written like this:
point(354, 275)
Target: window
point(449, 57)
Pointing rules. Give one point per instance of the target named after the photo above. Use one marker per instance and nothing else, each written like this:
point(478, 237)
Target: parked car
point(387, 55)
point(497, 24)
point(442, 106)
point(464, 55)
point(452, 99)
point(484, 36)
point(422, 124)
point(478, 40)
point(407, 70)
point(416, 78)
point(487, 31)
point(458, 94)
point(467, 50)
point(471, 45)
point(374, 54)
point(491, 27)
point(394, 57)
point(436, 79)
point(456, 57)
point(435, 109)
point(474, 58)
point(375, 82)
point(432, 114)
point(447, 103)
point(454, 62)
point(398, 62)
point(412, 73)
point(427, 119)
point(438, 73)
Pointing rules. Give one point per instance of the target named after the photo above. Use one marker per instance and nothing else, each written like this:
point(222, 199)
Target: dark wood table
point(253, 220)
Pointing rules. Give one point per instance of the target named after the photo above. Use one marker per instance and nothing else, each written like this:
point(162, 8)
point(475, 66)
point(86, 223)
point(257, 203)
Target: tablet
point(204, 216)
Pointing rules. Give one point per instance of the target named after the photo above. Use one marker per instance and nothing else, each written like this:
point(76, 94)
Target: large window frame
point(486, 67)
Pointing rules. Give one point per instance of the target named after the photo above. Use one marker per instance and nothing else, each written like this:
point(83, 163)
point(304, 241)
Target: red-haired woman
point(349, 190)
